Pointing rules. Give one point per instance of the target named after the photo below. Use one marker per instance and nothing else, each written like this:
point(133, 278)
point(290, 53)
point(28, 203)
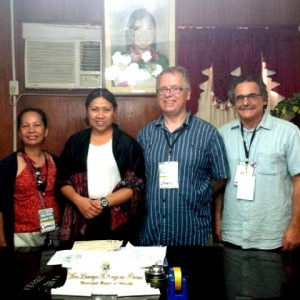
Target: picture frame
point(130, 26)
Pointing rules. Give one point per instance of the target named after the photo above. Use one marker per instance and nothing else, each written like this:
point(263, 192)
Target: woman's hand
point(89, 208)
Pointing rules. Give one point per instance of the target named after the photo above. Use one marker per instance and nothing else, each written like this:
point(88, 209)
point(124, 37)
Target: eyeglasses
point(173, 90)
point(250, 97)
point(41, 185)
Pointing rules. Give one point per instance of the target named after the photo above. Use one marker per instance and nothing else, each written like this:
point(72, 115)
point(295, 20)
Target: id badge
point(246, 186)
point(242, 169)
point(168, 175)
point(47, 220)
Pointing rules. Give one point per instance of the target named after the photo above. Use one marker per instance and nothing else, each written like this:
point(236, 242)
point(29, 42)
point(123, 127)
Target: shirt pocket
point(270, 164)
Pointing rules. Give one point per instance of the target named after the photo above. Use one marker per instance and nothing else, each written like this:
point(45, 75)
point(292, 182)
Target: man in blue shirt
point(261, 205)
point(185, 163)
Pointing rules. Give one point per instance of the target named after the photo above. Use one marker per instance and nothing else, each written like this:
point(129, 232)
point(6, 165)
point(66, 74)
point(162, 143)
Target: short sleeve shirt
point(275, 155)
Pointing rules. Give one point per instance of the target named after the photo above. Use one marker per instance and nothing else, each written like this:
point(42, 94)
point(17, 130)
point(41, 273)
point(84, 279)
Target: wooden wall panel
point(66, 114)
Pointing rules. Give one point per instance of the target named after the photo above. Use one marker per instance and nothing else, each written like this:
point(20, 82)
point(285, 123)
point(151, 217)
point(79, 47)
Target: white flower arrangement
point(124, 70)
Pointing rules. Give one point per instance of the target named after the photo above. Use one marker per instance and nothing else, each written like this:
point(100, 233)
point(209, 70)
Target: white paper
point(146, 256)
point(141, 256)
point(120, 273)
point(246, 187)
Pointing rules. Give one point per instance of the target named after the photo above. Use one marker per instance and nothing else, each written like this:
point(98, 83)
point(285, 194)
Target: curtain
point(226, 49)
point(207, 107)
point(282, 56)
point(194, 53)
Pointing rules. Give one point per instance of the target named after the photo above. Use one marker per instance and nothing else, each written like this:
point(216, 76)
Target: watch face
point(104, 202)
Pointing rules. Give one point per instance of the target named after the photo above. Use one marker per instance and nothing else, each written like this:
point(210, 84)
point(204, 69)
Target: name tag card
point(242, 169)
point(246, 187)
point(47, 221)
point(168, 175)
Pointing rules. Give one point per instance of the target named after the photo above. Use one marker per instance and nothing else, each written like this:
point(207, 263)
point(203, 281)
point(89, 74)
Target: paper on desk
point(139, 256)
point(145, 256)
point(67, 258)
point(98, 245)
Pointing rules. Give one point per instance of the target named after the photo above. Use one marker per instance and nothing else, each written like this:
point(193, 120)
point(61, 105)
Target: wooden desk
point(212, 273)
point(20, 268)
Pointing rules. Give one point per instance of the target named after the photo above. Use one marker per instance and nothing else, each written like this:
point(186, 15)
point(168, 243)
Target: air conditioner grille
point(62, 56)
point(50, 62)
point(90, 56)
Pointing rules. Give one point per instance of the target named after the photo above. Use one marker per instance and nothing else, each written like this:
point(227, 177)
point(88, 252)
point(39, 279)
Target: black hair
point(138, 14)
point(32, 109)
point(96, 93)
point(101, 92)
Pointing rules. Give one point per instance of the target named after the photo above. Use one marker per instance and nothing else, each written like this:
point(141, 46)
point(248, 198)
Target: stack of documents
point(106, 245)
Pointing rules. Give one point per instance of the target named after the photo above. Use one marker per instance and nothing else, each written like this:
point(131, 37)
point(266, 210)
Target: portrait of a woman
point(140, 44)
point(141, 62)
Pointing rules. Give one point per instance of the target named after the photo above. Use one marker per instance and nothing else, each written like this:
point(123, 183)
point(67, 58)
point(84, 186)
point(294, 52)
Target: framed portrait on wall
point(139, 43)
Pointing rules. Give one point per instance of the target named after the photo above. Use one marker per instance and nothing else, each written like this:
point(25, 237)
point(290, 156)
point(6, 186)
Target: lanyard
point(244, 142)
point(33, 172)
point(175, 140)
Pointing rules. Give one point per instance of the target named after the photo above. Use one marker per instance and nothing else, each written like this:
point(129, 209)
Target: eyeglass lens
point(250, 97)
point(173, 90)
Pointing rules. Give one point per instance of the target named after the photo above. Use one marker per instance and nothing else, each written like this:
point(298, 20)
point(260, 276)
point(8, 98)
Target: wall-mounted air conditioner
point(62, 56)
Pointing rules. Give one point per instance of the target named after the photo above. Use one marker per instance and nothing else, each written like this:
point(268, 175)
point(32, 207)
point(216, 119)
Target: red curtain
point(225, 49)
point(282, 55)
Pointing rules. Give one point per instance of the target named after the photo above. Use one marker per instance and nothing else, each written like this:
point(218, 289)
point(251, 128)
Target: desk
point(19, 268)
point(232, 274)
point(212, 273)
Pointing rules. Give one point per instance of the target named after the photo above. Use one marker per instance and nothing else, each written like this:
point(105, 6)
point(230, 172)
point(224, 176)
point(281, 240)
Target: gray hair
point(247, 78)
point(175, 70)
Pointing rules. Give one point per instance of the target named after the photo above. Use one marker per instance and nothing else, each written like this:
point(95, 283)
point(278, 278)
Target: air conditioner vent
point(90, 56)
point(62, 56)
point(50, 62)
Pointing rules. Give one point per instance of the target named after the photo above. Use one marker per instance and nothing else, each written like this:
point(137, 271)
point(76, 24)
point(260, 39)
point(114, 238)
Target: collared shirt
point(179, 217)
point(275, 156)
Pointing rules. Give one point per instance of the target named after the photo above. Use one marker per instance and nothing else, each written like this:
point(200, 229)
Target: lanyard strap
point(175, 140)
point(247, 151)
point(33, 172)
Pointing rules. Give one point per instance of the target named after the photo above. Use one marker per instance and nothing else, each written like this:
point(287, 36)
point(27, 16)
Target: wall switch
point(14, 87)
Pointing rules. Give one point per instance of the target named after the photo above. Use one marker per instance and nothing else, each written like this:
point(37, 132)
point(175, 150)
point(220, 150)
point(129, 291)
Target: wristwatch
point(104, 202)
